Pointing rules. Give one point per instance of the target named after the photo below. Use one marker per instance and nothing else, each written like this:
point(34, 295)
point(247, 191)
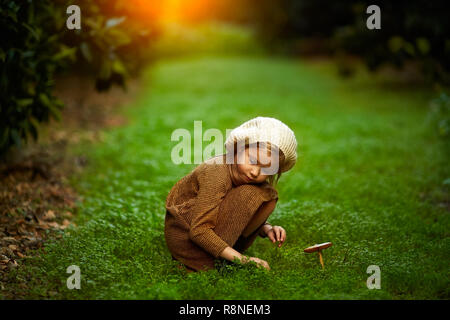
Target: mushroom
point(319, 248)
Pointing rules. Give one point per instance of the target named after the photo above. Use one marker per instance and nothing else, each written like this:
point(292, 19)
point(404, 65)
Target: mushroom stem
point(321, 258)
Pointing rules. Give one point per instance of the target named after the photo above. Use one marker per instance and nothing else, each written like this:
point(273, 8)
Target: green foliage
point(440, 114)
point(109, 46)
point(112, 41)
point(369, 179)
point(30, 54)
point(206, 38)
point(410, 31)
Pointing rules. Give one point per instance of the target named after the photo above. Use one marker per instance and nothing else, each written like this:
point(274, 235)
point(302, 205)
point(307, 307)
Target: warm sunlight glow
point(173, 11)
point(189, 10)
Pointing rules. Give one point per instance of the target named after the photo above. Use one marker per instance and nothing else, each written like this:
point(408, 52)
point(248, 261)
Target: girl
point(218, 209)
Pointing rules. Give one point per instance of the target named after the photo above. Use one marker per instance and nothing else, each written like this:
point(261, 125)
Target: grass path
point(369, 178)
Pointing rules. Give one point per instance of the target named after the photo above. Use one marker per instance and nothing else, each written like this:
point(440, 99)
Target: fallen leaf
point(54, 225)
point(49, 215)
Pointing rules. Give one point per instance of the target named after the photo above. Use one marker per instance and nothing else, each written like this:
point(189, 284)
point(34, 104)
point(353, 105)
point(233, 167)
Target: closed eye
point(253, 161)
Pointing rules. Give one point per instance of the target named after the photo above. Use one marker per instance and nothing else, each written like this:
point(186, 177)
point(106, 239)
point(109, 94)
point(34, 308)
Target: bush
point(415, 31)
point(30, 55)
point(440, 114)
point(113, 39)
point(109, 46)
point(410, 30)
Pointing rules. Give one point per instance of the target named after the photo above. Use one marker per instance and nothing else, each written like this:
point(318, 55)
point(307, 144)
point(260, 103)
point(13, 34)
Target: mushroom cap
point(318, 247)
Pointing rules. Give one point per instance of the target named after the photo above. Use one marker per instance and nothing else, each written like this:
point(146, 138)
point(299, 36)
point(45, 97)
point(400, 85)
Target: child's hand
point(276, 233)
point(259, 262)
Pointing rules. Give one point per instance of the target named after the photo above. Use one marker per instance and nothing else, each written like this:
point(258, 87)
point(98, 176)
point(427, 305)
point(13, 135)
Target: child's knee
point(269, 206)
point(261, 215)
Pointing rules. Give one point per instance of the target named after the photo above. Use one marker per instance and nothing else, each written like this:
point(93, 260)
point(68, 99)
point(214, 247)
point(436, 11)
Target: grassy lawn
point(369, 178)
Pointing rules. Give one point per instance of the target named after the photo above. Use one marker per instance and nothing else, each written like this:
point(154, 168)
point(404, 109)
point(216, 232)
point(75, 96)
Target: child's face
point(253, 164)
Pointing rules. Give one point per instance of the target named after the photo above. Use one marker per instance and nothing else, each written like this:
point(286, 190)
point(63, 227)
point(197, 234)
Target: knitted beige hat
point(265, 129)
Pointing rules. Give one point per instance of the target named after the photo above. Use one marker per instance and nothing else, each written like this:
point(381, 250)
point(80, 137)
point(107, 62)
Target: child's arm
point(212, 188)
point(230, 254)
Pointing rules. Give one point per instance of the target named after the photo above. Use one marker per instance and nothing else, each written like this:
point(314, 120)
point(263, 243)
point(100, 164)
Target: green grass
point(369, 178)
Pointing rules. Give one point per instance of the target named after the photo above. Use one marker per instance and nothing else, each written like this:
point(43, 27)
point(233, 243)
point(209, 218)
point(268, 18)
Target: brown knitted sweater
point(193, 207)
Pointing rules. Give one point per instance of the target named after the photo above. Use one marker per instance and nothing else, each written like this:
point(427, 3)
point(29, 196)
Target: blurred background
point(118, 37)
point(86, 118)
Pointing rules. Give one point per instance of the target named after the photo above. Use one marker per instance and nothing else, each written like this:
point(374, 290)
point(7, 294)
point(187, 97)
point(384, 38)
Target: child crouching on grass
point(218, 209)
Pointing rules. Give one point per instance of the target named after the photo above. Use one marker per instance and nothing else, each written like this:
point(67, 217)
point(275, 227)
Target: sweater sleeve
point(212, 189)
